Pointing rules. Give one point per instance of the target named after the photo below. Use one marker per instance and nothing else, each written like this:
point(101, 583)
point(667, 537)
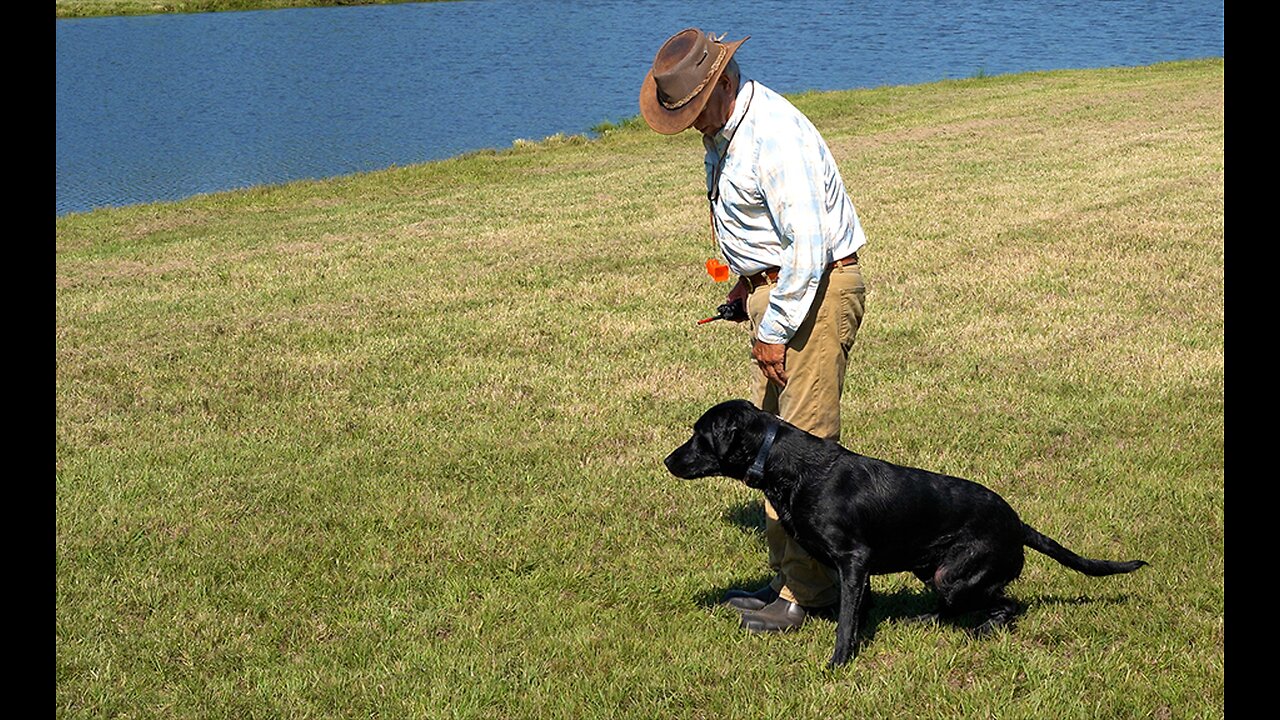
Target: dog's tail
point(1097, 568)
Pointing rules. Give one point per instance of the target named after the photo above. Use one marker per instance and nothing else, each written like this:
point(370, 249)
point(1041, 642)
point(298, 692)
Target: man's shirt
point(779, 203)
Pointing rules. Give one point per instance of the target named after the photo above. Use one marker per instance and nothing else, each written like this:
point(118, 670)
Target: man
point(781, 217)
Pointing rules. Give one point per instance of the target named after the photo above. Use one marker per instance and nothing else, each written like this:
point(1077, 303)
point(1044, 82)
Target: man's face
point(718, 110)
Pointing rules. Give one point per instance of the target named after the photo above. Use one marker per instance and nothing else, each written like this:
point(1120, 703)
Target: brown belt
point(770, 275)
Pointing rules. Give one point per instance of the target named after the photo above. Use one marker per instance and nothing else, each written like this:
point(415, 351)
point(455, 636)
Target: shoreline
point(81, 9)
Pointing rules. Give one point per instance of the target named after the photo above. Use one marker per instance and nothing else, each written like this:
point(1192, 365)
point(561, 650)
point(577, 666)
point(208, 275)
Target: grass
point(389, 445)
point(101, 8)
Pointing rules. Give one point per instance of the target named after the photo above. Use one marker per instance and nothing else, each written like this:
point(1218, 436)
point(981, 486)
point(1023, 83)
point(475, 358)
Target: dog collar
point(756, 471)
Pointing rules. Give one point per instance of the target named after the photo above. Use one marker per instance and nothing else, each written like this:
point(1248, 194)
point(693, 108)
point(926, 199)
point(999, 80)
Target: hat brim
point(670, 122)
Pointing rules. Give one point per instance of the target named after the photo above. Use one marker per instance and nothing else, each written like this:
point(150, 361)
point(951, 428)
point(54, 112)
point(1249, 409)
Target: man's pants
point(815, 366)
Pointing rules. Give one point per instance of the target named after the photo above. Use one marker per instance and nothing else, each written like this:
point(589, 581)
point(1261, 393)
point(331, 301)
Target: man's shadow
point(901, 605)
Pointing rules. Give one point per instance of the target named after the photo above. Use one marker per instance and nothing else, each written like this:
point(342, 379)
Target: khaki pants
point(815, 364)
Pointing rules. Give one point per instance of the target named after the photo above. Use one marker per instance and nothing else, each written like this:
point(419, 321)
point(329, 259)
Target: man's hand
point(739, 292)
point(772, 360)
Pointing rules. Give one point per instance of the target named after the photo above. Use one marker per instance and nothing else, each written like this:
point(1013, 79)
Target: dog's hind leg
point(854, 590)
point(989, 604)
point(973, 582)
point(925, 576)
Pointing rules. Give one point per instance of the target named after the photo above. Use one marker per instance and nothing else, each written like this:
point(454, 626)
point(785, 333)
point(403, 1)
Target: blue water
point(167, 106)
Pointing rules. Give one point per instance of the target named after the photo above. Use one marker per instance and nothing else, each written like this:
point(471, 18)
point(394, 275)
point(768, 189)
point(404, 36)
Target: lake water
point(166, 106)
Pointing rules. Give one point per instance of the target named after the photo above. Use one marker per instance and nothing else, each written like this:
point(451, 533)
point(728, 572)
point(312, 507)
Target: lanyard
point(713, 193)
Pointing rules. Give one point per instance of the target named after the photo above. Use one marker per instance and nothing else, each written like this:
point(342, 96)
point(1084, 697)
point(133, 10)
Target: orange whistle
point(717, 270)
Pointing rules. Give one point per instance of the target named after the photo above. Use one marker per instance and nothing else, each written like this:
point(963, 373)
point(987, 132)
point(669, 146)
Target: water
point(166, 106)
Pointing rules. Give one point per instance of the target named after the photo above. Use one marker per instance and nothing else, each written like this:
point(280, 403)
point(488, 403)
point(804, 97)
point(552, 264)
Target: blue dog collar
point(756, 471)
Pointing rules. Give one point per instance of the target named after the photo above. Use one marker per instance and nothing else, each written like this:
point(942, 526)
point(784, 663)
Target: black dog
point(867, 517)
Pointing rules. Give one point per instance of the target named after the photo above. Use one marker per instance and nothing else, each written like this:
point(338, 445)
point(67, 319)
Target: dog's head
point(725, 442)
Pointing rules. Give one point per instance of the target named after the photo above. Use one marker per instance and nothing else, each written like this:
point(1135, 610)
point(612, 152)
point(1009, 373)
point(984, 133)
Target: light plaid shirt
point(781, 203)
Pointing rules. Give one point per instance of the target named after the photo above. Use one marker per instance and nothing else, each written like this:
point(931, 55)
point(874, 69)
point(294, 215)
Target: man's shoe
point(744, 600)
point(782, 616)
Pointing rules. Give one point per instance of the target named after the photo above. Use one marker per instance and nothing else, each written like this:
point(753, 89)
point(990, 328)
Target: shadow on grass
point(711, 596)
point(1076, 600)
point(748, 516)
point(909, 606)
point(898, 605)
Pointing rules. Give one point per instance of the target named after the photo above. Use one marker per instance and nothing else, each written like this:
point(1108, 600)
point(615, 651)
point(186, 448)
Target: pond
point(166, 106)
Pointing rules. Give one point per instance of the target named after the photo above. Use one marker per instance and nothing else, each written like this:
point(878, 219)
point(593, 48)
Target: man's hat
point(684, 73)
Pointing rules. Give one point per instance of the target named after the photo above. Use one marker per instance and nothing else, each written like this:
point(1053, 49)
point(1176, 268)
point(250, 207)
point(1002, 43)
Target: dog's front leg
point(853, 587)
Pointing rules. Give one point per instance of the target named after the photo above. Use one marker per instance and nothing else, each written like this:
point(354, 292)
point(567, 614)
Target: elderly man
point(784, 223)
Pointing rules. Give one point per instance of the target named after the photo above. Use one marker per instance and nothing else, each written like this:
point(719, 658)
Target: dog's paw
point(842, 656)
point(990, 627)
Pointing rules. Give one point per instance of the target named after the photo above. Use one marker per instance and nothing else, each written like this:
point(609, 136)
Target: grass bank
point(389, 445)
point(101, 8)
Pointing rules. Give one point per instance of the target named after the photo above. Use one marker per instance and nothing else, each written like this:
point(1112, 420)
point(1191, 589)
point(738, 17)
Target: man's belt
point(770, 275)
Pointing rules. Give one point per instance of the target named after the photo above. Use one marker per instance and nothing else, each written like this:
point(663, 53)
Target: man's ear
point(728, 85)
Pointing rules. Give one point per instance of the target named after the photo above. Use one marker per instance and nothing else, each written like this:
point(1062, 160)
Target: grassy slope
point(388, 445)
point(99, 8)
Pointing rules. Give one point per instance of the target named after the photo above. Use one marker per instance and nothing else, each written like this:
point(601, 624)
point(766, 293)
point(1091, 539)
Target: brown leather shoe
point(744, 600)
point(782, 616)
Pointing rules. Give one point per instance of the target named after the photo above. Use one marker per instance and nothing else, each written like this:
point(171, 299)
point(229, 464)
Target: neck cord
point(713, 193)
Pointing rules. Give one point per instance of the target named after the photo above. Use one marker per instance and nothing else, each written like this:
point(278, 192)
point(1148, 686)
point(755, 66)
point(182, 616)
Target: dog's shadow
point(901, 605)
point(748, 516)
point(1076, 600)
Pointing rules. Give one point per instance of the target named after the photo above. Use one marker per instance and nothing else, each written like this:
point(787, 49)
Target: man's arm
point(793, 187)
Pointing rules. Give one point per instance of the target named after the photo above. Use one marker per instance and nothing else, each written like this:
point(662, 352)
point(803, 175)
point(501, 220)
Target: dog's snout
point(681, 463)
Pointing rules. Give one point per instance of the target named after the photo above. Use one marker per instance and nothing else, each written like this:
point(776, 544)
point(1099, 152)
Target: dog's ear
point(734, 431)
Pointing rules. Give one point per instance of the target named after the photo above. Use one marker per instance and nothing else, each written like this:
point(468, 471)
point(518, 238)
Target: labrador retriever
point(866, 517)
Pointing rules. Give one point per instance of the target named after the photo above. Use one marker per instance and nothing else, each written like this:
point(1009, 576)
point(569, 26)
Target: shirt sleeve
point(793, 188)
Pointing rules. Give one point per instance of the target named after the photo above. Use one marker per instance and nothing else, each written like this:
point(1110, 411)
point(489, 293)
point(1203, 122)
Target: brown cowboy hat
point(684, 73)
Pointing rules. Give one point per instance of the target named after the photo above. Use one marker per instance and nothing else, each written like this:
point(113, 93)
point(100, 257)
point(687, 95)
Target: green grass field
point(390, 445)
